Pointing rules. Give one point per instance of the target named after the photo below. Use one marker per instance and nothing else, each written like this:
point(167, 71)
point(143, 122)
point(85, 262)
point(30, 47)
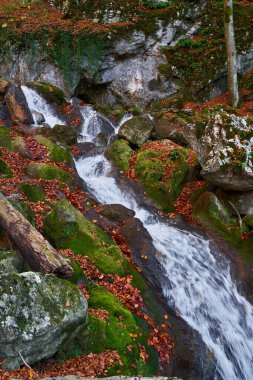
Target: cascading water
point(200, 285)
point(37, 103)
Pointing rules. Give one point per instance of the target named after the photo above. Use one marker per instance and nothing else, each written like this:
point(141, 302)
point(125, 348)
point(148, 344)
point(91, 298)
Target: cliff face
point(122, 53)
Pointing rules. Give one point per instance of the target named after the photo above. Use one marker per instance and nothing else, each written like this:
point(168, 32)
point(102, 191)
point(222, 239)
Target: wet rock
point(49, 92)
point(17, 106)
point(65, 134)
point(120, 152)
point(224, 149)
point(85, 148)
point(116, 212)
point(136, 130)
point(10, 262)
point(38, 117)
point(38, 313)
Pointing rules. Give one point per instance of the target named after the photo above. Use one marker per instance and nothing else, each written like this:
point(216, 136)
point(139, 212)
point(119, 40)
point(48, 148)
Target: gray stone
point(136, 130)
point(242, 201)
point(37, 314)
point(224, 146)
point(38, 117)
point(10, 261)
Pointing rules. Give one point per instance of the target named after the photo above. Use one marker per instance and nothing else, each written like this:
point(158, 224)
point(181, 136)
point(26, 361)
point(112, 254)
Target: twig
point(237, 213)
point(25, 363)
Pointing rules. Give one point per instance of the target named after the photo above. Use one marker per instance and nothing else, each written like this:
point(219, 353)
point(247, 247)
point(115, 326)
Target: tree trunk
point(37, 251)
point(231, 53)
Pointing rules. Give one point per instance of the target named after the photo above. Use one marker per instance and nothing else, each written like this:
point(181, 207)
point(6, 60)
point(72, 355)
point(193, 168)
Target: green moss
point(150, 169)
point(33, 192)
point(45, 171)
point(25, 210)
point(19, 146)
point(49, 92)
point(121, 330)
point(5, 141)
point(120, 152)
point(57, 154)
point(248, 221)
point(5, 171)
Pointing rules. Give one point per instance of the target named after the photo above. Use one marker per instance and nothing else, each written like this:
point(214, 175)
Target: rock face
point(17, 105)
point(38, 314)
point(224, 149)
point(136, 130)
point(10, 262)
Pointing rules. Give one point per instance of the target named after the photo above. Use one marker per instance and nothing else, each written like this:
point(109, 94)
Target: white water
point(38, 104)
point(200, 286)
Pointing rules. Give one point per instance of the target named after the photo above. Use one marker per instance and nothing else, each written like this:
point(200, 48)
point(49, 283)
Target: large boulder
point(136, 130)
point(37, 314)
point(120, 152)
point(17, 106)
point(224, 150)
point(65, 134)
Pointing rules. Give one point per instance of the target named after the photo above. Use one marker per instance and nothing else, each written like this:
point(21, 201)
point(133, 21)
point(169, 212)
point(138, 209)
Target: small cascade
point(37, 103)
point(200, 286)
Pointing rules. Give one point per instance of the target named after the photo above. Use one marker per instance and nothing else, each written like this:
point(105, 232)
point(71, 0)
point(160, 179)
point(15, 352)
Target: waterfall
point(200, 286)
point(37, 103)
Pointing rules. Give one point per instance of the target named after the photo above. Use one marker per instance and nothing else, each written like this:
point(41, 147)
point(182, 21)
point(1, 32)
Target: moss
point(5, 171)
point(248, 221)
point(5, 141)
point(66, 227)
point(120, 152)
point(151, 167)
point(213, 213)
point(57, 154)
point(49, 92)
point(34, 193)
point(19, 146)
point(45, 171)
point(25, 210)
point(121, 330)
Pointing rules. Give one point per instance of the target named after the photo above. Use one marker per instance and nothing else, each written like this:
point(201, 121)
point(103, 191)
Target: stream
point(200, 287)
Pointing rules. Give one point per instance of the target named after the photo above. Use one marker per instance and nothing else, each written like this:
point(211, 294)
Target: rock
point(3, 85)
point(56, 153)
point(136, 130)
point(66, 227)
point(10, 262)
point(65, 134)
point(154, 160)
point(242, 201)
point(109, 378)
point(49, 92)
point(209, 210)
point(34, 193)
point(17, 106)
point(38, 313)
point(172, 131)
point(38, 117)
point(86, 148)
point(224, 146)
point(4, 137)
point(5, 171)
point(45, 171)
point(19, 146)
point(116, 212)
point(248, 221)
point(120, 153)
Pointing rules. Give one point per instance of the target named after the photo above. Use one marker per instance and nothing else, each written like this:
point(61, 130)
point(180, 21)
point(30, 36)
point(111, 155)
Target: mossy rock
point(248, 221)
point(120, 153)
point(49, 172)
point(66, 227)
point(121, 330)
point(152, 165)
point(5, 141)
point(19, 146)
point(66, 134)
point(34, 193)
point(25, 210)
point(136, 130)
point(57, 153)
point(5, 171)
point(49, 92)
